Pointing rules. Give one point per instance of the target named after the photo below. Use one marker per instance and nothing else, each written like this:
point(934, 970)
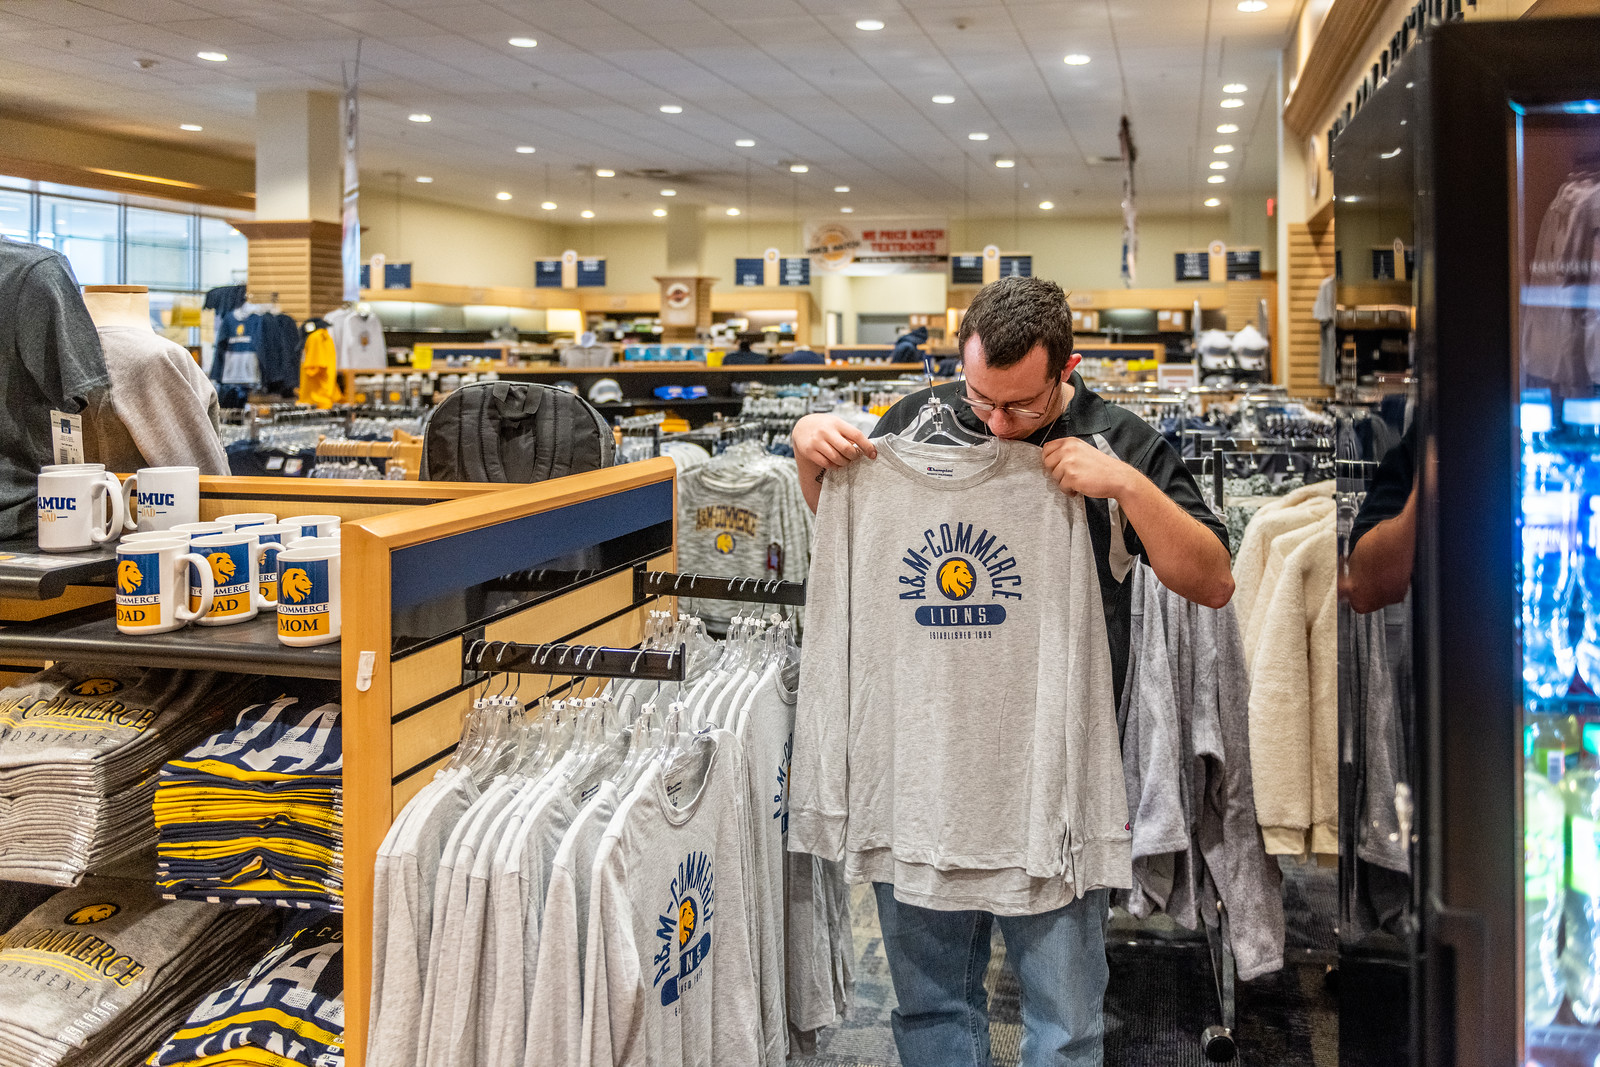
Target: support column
point(686, 236)
point(294, 242)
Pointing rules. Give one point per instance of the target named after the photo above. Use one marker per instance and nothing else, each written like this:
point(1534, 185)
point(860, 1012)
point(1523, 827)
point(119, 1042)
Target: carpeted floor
point(1160, 998)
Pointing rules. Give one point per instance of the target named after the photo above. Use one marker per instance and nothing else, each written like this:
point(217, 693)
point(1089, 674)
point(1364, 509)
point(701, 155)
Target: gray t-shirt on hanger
point(957, 637)
point(670, 978)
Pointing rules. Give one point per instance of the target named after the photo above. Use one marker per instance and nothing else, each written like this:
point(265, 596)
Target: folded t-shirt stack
point(253, 814)
point(79, 747)
point(97, 975)
point(287, 1012)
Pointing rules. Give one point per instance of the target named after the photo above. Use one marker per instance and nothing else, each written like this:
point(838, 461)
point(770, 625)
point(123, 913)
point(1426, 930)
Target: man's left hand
point(1079, 467)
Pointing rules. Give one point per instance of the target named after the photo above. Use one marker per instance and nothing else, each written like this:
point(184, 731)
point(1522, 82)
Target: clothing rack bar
point(588, 661)
point(709, 587)
point(1258, 446)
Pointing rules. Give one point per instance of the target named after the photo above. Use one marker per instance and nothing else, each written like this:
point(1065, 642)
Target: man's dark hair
point(1013, 315)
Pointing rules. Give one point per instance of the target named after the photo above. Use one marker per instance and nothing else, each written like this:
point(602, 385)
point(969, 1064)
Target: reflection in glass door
point(1556, 224)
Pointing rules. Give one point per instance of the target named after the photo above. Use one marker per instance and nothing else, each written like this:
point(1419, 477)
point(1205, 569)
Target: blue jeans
point(937, 960)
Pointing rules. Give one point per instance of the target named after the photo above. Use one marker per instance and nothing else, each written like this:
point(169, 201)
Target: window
point(224, 253)
point(16, 215)
point(87, 234)
point(107, 243)
point(160, 249)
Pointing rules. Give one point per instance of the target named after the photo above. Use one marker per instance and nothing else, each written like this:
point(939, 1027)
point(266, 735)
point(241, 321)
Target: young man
point(1140, 502)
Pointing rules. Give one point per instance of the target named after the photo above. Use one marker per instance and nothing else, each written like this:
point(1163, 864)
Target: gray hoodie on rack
point(1186, 762)
point(956, 730)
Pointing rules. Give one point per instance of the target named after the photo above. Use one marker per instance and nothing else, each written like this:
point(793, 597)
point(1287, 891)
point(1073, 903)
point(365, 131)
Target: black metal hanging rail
point(565, 661)
point(710, 587)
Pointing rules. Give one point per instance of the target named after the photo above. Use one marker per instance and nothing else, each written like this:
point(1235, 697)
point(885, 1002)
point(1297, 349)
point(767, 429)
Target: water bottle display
point(1581, 443)
point(1544, 860)
point(1549, 528)
point(1579, 963)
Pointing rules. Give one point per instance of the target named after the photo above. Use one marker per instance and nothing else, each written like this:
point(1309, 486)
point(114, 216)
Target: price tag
point(66, 437)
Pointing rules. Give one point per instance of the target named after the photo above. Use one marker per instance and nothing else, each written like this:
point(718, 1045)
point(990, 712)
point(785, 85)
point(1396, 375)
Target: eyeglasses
point(1013, 410)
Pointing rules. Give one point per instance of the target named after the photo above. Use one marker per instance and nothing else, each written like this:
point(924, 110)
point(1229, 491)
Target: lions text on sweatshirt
point(956, 734)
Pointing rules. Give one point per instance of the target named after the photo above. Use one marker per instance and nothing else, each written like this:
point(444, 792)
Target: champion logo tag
point(941, 472)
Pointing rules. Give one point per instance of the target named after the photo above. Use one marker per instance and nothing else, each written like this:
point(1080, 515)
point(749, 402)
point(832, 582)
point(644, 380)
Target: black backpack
point(513, 432)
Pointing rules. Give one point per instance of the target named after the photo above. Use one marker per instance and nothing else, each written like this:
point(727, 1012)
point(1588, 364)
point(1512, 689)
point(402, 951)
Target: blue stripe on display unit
point(434, 568)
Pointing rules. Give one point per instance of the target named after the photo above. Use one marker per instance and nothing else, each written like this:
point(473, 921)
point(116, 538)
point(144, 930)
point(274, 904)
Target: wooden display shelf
point(248, 647)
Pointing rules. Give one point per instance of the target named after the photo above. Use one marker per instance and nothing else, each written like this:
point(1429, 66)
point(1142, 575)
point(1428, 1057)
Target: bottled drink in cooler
point(1579, 963)
point(1549, 520)
point(1582, 446)
point(1544, 857)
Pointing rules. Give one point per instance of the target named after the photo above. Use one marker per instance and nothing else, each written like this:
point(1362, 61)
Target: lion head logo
point(129, 576)
point(724, 542)
point(92, 913)
point(955, 579)
point(221, 567)
point(686, 922)
point(96, 687)
point(296, 584)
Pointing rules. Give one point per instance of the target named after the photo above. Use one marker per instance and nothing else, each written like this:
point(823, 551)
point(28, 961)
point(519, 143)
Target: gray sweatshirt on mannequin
point(956, 734)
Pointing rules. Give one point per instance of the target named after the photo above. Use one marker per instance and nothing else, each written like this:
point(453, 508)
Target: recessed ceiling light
point(1216, 179)
point(525, 149)
point(604, 173)
point(191, 127)
point(977, 137)
point(1046, 205)
point(1252, 5)
point(1075, 59)
point(1233, 101)
point(548, 205)
point(841, 188)
point(869, 24)
point(420, 117)
point(1227, 127)
point(1223, 149)
point(424, 179)
point(213, 57)
point(944, 98)
point(744, 142)
point(1005, 164)
point(733, 211)
point(660, 212)
point(522, 42)
point(502, 196)
point(1219, 164)
point(1212, 202)
point(587, 213)
point(669, 192)
point(798, 168)
point(671, 109)
point(1236, 87)
point(847, 210)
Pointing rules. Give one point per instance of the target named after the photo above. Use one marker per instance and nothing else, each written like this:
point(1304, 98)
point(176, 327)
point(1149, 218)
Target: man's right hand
point(828, 442)
point(822, 443)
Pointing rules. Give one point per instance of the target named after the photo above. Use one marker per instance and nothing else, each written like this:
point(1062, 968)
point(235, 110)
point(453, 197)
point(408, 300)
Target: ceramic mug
point(231, 558)
point(248, 518)
point(154, 535)
point(159, 498)
point(78, 508)
point(153, 585)
point(203, 529)
point(271, 540)
point(308, 587)
point(314, 525)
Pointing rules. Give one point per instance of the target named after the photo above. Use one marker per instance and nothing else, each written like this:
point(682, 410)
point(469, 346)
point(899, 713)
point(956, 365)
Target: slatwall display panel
point(1244, 302)
point(1310, 261)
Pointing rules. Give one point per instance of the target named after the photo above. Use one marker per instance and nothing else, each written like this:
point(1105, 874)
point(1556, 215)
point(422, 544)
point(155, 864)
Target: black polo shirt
point(1131, 440)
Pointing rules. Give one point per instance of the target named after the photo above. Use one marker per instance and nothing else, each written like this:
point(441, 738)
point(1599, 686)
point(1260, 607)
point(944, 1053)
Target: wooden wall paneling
point(1244, 299)
point(368, 764)
point(1311, 259)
